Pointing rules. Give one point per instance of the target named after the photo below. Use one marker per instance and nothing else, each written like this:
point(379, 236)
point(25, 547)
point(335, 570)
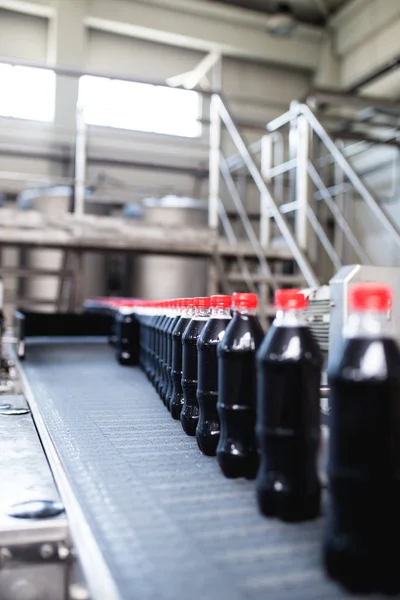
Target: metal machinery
point(328, 306)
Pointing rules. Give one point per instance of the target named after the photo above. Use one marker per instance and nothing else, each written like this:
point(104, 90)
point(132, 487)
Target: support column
point(215, 147)
point(302, 181)
point(67, 39)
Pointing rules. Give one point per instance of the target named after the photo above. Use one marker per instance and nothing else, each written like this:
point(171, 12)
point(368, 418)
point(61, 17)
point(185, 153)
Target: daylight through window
point(140, 107)
point(27, 93)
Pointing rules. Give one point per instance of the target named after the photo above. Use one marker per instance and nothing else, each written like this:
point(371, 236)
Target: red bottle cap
point(290, 300)
point(188, 302)
point(374, 297)
point(220, 301)
point(202, 302)
point(246, 301)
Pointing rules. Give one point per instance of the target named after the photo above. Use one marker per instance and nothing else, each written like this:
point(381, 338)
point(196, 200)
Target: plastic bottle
point(153, 328)
point(169, 318)
point(176, 311)
point(237, 452)
point(158, 341)
point(363, 522)
point(207, 430)
point(127, 336)
point(289, 364)
point(176, 400)
point(190, 408)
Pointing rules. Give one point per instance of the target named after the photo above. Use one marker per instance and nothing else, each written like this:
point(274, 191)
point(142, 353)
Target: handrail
point(300, 258)
point(346, 167)
point(281, 121)
point(337, 213)
point(246, 221)
point(340, 159)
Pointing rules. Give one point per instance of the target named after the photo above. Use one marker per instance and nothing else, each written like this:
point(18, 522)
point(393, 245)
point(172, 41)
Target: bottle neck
point(245, 312)
point(201, 313)
point(187, 313)
point(290, 318)
point(367, 324)
point(220, 313)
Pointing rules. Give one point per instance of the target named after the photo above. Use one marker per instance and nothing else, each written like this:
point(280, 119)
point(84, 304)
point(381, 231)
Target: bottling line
point(104, 497)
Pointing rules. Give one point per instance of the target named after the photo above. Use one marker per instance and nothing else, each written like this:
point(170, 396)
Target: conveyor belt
point(166, 521)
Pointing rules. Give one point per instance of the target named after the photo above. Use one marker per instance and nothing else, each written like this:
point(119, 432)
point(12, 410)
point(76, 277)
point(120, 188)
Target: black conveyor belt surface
point(169, 525)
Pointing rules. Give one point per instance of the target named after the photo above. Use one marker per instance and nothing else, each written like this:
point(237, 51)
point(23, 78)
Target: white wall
point(23, 36)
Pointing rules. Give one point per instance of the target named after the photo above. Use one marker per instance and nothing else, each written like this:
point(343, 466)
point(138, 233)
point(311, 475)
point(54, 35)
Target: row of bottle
point(203, 362)
point(254, 402)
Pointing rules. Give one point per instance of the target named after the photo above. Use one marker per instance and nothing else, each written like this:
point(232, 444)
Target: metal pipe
point(280, 121)
point(351, 175)
point(279, 157)
point(302, 187)
point(334, 190)
point(282, 168)
point(215, 146)
point(338, 176)
point(80, 163)
point(298, 255)
point(289, 207)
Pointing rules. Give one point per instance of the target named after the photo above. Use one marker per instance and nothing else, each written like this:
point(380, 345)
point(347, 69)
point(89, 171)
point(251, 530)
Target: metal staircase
point(300, 212)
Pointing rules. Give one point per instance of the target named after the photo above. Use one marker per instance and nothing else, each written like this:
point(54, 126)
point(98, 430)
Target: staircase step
point(294, 280)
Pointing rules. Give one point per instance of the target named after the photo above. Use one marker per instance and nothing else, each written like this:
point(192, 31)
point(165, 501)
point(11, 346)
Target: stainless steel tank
point(157, 276)
point(41, 292)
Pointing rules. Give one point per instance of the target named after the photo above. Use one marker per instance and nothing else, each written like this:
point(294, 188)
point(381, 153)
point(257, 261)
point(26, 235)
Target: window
point(27, 93)
point(139, 106)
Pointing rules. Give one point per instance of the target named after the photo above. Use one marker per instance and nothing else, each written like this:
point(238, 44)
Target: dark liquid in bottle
point(190, 408)
point(157, 352)
point(237, 451)
point(363, 524)
point(127, 337)
point(168, 361)
point(288, 423)
point(163, 358)
point(176, 400)
point(207, 430)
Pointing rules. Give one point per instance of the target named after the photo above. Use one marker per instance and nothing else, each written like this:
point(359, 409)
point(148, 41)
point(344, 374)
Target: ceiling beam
point(192, 25)
point(38, 8)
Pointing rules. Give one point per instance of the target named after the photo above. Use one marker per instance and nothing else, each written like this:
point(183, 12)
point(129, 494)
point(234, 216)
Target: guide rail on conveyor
point(150, 516)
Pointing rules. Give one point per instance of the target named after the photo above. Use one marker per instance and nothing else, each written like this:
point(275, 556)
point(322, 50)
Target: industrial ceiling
point(315, 12)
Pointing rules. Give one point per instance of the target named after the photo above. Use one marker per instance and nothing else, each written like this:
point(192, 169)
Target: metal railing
point(220, 165)
point(291, 167)
point(351, 181)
